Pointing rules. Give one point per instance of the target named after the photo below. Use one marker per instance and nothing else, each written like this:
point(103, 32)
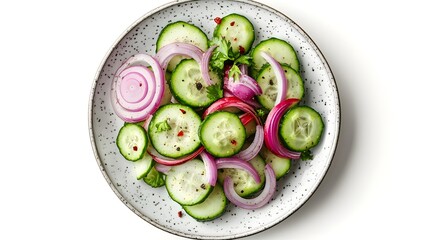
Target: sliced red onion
point(271, 130)
point(211, 169)
point(171, 161)
point(246, 118)
point(231, 102)
point(239, 164)
point(205, 64)
point(166, 53)
point(162, 168)
point(136, 106)
point(254, 203)
point(245, 87)
point(250, 152)
point(134, 88)
point(280, 76)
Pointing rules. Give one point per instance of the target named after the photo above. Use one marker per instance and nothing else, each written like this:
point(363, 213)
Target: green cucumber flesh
point(132, 141)
point(222, 134)
point(301, 128)
point(268, 83)
point(173, 130)
point(279, 49)
point(212, 207)
point(187, 183)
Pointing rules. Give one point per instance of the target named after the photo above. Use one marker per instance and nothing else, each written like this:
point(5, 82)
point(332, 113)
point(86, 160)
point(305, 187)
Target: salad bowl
point(154, 204)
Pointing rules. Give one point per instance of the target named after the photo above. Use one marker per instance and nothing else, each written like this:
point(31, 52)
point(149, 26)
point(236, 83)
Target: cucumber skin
point(180, 22)
point(315, 142)
point(246, 48)
point(188, 209)
point(185, 102)
point(263, 42)
point(152, 123)
point(145, 137)
point(208, 148)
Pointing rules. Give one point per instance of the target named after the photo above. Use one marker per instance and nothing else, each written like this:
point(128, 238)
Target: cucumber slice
point(143, 166)
point(301, 128)
point(188, 86)
point(244, 184)
point(132, 141)
point(222, 134)
point(279, 49)
point(181, 32)
point(238, 30)
point(280, 165)
point(187, 183)
point(213, 207)
point(154, 178)
point(173, 130)
point(268, 83)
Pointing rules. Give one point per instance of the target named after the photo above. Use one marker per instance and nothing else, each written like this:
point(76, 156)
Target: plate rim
point(184, 234)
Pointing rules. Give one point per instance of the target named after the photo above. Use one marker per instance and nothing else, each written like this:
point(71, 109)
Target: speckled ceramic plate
point(154, 205)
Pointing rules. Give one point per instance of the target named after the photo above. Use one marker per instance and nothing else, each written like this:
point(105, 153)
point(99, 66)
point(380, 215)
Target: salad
point(214, 121)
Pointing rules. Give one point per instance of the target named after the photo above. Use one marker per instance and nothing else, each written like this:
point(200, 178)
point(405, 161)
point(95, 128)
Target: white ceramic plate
point(154, 205)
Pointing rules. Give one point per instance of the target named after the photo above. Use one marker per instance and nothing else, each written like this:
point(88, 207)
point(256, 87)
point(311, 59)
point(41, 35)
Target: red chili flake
point(180, 214)
point(232, 23)
point(233, 142)
point(180, 134)
point(135, 148)
point(235, 39)
point(241, 49)
point(141, 84)
point(218, 20)
point(183, 111)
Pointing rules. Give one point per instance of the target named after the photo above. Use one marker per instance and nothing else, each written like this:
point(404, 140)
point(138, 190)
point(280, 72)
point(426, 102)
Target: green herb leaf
point(234, 72)
point(261, 112)
point(214, 92)
point(243, 59)
point(306, 155)
point(222, 53)
point(154, 178)
point(162, 126)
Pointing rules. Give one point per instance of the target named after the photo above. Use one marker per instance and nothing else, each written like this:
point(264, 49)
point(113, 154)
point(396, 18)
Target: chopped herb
point(234, 72)
point(162, 126)
point(306, 155)
point(214, 92)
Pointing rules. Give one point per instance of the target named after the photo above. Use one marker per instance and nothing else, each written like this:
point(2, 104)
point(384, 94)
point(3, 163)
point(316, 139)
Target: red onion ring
point(280, 75)
point(171, 161)
point(137, 115)
point(232, 102)
point(205, 64)
point(239, 164)
point(135, 84)
point(162, 168)
point(253, 203)
point(250, 152)
point(167, 52)
point(211, 169)
point(271, 130)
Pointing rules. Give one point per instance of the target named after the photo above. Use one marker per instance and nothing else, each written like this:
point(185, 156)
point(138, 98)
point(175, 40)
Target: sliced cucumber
point(187, 183)
point(213, 207)
point(143, 166)
point(222, 134)
point(181, 32)
point(238, 30)
point(173, 130)
point(132, 141)
point(280, 165)
point(188, 86)
point(301, 128)
point(244, 184)
point(268, 83)
point(154, 178)
point(279, 49)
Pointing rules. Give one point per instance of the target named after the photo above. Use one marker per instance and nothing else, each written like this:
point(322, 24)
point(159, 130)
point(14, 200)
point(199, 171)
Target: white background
point(51, 186)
